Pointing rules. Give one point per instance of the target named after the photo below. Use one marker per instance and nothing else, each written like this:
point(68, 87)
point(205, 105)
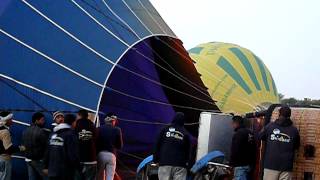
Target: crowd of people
point(281, 140)
point(74, 150)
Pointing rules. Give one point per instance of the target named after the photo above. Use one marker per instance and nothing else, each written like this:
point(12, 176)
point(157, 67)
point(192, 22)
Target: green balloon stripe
point(247, 65)
point(229, 69)
point(195, 50)
point(263, 72)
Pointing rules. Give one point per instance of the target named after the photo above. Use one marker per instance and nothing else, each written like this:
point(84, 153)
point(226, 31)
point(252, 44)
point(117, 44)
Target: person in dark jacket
point(86, 133)
point(62, 161)
point(172, 150)
point(109, 139)
point(242, 150)
point(35, 139)
point(281, 139)
point(6, 146)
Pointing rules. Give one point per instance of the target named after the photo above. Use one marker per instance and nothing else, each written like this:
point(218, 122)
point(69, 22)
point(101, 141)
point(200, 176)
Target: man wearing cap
point(108, 141)
point(58, 118)
point(35, 139)
point(6, 146)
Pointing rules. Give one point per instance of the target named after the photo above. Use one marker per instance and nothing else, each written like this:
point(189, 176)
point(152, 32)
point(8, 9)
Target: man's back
point(63, 152)
point(282, 139)
point(87, 138)
point(109, 138)
point(173, 147)
point(35, 139)
point(243, 148)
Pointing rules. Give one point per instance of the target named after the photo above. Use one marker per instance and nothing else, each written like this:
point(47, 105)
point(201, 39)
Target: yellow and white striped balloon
point(236, 78)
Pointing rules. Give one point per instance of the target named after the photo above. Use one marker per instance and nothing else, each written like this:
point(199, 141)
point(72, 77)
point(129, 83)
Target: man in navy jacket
point(63, 153)
point(108, 141)
point(282, 140)
point(172, 150)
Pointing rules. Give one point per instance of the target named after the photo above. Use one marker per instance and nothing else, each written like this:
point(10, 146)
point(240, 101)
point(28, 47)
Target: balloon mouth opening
point(145, 92)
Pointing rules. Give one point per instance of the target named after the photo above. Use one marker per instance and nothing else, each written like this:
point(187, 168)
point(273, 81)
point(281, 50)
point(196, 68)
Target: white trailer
point(215, 134)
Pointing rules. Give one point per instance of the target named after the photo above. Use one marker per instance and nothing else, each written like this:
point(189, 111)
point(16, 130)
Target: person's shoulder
point(294, 128)
point(26, 130)
point(5, 131)
point(271, 125)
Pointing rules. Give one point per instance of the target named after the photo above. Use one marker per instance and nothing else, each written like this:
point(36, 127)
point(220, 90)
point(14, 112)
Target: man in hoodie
point(35, 139)
point(172, 150)
point(281, 140)
point(242, 149)
point(108, 141)
point(62, 161)
point(6, 146)
point(86, 133)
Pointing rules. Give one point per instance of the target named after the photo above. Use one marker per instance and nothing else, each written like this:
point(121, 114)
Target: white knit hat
point(3, 120)
point(56, 114)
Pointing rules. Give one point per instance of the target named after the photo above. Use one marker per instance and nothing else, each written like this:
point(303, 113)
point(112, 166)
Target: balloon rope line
point(129, 28)
point(88, 47)
point(154, 101)
point(153, 123)
point(23, 94)
point(149, 59)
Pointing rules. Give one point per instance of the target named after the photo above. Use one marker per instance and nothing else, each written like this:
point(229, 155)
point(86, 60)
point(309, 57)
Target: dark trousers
point(35, 170)
point(88, 171)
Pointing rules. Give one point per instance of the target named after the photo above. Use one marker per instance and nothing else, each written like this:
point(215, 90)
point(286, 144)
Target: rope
point(23, 94)
point(131, 155)
point(149, 59)
point(156, 102)
point(153, 123)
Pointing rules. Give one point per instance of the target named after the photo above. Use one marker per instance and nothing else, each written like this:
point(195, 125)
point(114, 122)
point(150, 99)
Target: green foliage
point(297, 102)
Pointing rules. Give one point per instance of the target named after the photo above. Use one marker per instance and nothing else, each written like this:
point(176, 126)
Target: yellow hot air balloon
point(236, 78)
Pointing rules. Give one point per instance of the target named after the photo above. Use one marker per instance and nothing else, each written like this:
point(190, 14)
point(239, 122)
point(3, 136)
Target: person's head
point(178, 119)
point(82, 114)
point(237, 121)
point(6, 118)
point(285, 112)
point(70, 119)
point(38, 119)
point(58, 117)
point(111, 118)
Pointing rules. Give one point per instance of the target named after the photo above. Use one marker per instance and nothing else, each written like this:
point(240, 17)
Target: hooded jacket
point(35, 139)
point(173, 144)
point(242, 148)
point(282, 139)
point(63, 153)
point(109, 138)
point(86, 133)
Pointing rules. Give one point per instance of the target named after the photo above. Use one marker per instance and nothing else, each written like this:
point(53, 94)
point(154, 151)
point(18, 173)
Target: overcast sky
point(283, 33)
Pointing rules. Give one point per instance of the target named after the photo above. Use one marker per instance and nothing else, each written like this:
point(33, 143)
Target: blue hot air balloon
point(100, 55)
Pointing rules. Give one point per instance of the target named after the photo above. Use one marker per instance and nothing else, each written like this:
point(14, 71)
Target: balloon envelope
point(235, 77)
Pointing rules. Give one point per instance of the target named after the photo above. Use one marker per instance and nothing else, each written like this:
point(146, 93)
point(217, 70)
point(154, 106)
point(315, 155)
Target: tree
point(296, 102)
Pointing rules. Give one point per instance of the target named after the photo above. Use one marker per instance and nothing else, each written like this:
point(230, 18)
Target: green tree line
point(299, 102)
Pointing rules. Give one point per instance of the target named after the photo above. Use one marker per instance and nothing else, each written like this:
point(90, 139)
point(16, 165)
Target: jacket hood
point(61, 126)
point(178, 119)
point(285, 122)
